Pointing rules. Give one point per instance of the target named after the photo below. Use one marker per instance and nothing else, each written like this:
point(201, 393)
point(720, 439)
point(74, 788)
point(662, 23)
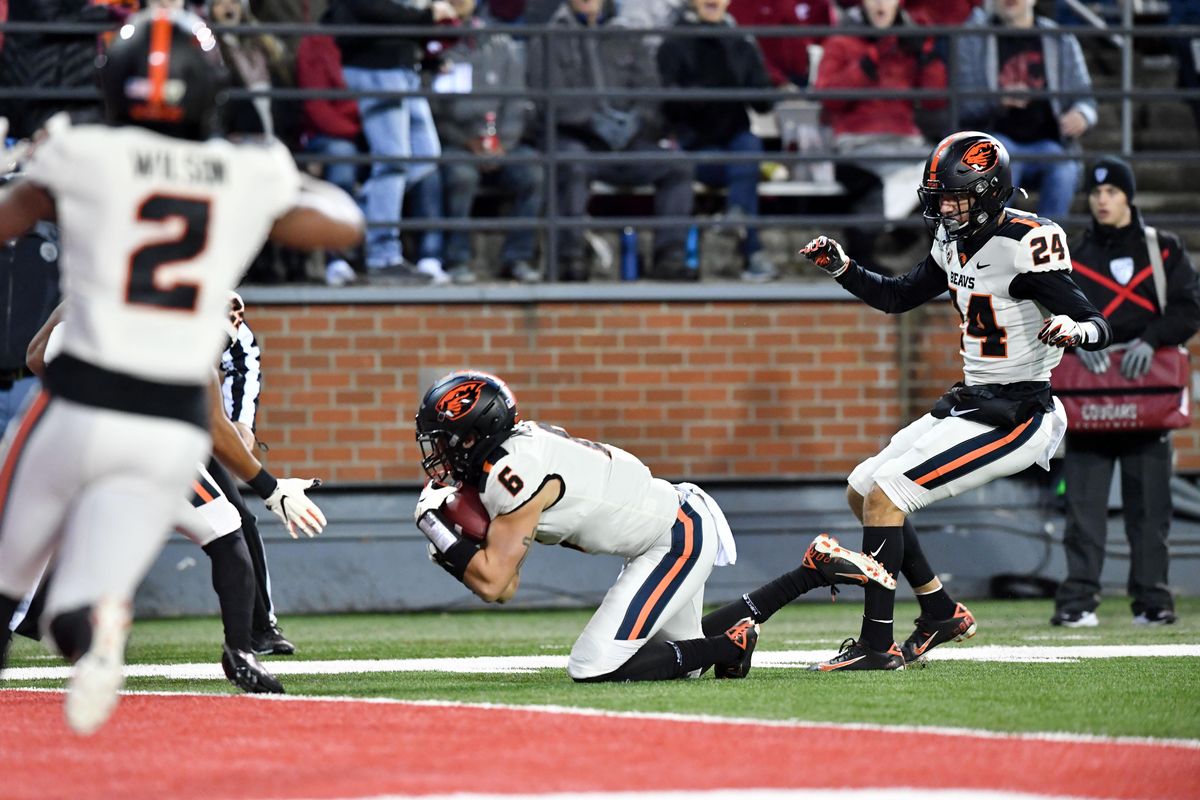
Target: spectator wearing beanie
point(1112, 266)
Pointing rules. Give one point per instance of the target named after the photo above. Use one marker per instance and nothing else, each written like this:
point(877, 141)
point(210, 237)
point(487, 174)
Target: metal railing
point(549, 99)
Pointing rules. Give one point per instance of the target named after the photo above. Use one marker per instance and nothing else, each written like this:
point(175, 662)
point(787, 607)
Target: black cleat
point(744, 634)
point(245, 672)
point(835, 564)
point(271, 643)
point(856, 655)
point(932, 632)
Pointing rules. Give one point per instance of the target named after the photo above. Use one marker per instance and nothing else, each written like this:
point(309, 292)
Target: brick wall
point(697, 390)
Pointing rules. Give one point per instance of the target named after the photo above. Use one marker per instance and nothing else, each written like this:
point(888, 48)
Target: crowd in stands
point(386, 151)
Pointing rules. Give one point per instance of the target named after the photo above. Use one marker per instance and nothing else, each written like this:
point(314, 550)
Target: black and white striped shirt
point(241, 377)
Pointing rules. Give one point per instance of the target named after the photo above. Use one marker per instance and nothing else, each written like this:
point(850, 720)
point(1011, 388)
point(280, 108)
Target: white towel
point(701, 501)
point(1057, 420)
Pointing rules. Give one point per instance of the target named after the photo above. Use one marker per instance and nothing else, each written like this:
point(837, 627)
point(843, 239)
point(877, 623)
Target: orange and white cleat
point(835, 564)
point(857, 655)
point(932, 632)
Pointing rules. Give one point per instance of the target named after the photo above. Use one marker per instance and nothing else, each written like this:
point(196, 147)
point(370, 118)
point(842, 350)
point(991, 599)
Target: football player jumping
point(538, 483)
point(1002, 267)
point(159, 222)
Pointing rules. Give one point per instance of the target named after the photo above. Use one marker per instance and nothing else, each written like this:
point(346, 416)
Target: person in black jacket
point(719, 62)
point(394, 126)
point(1113, 268)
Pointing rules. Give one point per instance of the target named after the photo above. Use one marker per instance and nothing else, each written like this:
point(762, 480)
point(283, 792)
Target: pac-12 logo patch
point(460, 400)
point(981, 156)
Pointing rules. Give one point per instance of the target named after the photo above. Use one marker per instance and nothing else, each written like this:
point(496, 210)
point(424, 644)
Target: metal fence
point(548, 100)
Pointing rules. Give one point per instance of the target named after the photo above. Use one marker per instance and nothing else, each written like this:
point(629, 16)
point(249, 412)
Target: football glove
point(1137, 359)
point(290, 504)
point(432, 497)
point(1061, 331)
point(1094, 361)
point(827, 254)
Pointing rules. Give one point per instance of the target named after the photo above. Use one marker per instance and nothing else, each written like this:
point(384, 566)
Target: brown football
point(464, 510)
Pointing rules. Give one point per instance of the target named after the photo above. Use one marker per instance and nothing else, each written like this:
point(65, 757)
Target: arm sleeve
point(895, 295)
point(242, 380)
point(1181, 319)
point(1059, 294)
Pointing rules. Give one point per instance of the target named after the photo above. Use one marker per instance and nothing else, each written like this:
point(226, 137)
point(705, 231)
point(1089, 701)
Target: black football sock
point(8, 607)
point(886, 545)
point(764, 601)
point(938, 604)
point(664, 661)
point(718, 621)
point(918, 572)
point(915, 567)
point(72, 632)
point(233, 581)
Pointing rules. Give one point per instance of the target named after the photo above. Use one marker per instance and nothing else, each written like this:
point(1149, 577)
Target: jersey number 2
point(147, 259)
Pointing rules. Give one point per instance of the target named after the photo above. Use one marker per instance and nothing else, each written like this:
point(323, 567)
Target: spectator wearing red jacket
point(331, 126)
point(941, 12)
point(786, 57)
point(874, 56)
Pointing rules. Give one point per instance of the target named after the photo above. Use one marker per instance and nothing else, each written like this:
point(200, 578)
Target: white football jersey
point(999, 341)
point(610, 502)
point(156, 231)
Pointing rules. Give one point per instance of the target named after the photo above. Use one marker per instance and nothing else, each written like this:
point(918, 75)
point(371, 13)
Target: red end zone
point(215, 747)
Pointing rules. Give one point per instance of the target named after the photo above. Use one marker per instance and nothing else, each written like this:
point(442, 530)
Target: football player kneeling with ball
point(537, 483)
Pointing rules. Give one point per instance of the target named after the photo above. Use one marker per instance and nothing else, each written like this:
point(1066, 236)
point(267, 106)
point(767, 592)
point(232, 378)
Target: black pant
point(1146, 497)
point(264, 611)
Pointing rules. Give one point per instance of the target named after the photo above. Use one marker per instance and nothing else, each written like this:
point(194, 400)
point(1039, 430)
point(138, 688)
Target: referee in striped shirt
point(241, 384)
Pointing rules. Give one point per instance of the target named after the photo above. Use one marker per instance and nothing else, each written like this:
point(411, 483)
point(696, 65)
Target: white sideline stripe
point(770, 659)
point(891, 792)
point(666, 716)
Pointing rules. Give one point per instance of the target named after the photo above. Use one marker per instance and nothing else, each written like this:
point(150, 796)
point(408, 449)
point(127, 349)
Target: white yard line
point(768, 659)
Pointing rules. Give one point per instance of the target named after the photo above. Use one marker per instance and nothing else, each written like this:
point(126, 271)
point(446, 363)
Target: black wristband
point(457, 557)
point(263, 483)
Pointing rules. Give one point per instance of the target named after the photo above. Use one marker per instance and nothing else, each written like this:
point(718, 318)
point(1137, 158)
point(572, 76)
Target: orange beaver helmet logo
point(981, 156)
point(459, 400)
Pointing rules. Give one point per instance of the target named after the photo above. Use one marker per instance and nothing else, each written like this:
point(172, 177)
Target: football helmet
point(463, 417)
point(966, 166)
point(159, 73)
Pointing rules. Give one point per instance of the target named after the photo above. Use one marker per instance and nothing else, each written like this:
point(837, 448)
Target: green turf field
point(1136, 696)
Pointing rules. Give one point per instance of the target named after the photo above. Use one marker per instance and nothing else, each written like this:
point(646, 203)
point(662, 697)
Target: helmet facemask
point(444, 458)
point(974, 208)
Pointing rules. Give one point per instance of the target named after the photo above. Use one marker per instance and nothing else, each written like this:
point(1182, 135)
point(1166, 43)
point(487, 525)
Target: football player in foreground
point(538, 483)
point(158, 224)
point(211, 520)
point(1002, 267)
